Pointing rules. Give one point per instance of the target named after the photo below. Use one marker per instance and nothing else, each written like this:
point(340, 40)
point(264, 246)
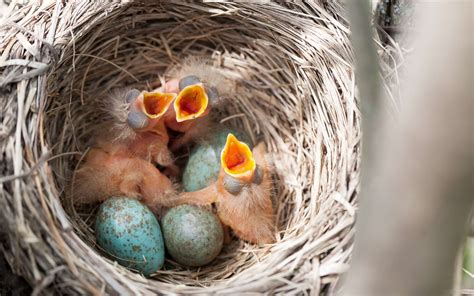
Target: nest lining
point(292, 66)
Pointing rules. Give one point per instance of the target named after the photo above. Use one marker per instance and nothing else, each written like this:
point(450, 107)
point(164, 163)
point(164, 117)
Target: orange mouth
point(157, 103)
point(191, 103)
point(237, 159)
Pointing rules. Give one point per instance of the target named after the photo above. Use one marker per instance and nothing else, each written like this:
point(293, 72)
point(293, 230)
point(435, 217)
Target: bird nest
point(292, 65)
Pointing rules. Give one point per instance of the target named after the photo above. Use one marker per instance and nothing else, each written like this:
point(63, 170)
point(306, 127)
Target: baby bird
point(138, 123)
point(241, 193)
point(121, 160)
point(199, 86)
point(111, 170)
point(193, 91)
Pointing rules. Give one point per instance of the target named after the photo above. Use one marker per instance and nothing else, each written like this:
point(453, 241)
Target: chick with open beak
point(242, 193)
point(139, 118)
point(192, 100)
point(123, 153)
point(147, 112)
point(200, 87)
point(190, 108)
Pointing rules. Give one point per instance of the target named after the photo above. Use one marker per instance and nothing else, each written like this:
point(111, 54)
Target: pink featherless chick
point(242, 193)
point(139, 123)
point(122, 158)
point(112, 170)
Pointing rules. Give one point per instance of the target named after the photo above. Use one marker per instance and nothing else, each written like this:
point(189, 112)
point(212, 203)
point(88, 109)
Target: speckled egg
point(129, 232)
point(203, 165)
point(193, 236)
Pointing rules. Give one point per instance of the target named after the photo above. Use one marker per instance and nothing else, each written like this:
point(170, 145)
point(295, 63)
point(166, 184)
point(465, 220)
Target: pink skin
point(111, 169)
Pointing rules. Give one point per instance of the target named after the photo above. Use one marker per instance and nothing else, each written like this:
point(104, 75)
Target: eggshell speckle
point(193, 236)
point(129, 232)
point(203, 165)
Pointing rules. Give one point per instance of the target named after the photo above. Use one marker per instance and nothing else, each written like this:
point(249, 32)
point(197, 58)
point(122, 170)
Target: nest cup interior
point(294, 90)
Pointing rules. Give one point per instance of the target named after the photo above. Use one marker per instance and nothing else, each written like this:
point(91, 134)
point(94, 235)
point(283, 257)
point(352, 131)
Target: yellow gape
point(156, 104)
point(237, 159)
point(191, 103)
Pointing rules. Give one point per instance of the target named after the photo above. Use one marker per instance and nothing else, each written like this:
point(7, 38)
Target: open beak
point(237, 159)
point(191, 103)
point(155, 104)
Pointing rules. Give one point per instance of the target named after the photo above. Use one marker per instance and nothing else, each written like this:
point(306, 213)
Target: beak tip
point(137, 120)
point(131, 95)
point(232, 185)
point(212, 94)
point(188, 80)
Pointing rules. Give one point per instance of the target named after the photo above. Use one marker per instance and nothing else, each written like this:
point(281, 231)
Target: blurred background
point(414, 226)
point(395, 18)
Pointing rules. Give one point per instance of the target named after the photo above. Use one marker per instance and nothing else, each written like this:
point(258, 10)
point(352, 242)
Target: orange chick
point(241, 193)
point(199, 86)
point(138, 124)
point(112, 170)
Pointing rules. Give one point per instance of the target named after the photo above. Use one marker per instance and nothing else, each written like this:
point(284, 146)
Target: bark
point(417, 187)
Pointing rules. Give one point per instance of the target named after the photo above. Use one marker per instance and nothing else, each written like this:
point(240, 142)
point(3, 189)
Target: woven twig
point(292, 64)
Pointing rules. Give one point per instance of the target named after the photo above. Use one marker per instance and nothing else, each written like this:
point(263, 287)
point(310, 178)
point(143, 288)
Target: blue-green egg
point(203, 164)
point(130, 234)
point(193, 235)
